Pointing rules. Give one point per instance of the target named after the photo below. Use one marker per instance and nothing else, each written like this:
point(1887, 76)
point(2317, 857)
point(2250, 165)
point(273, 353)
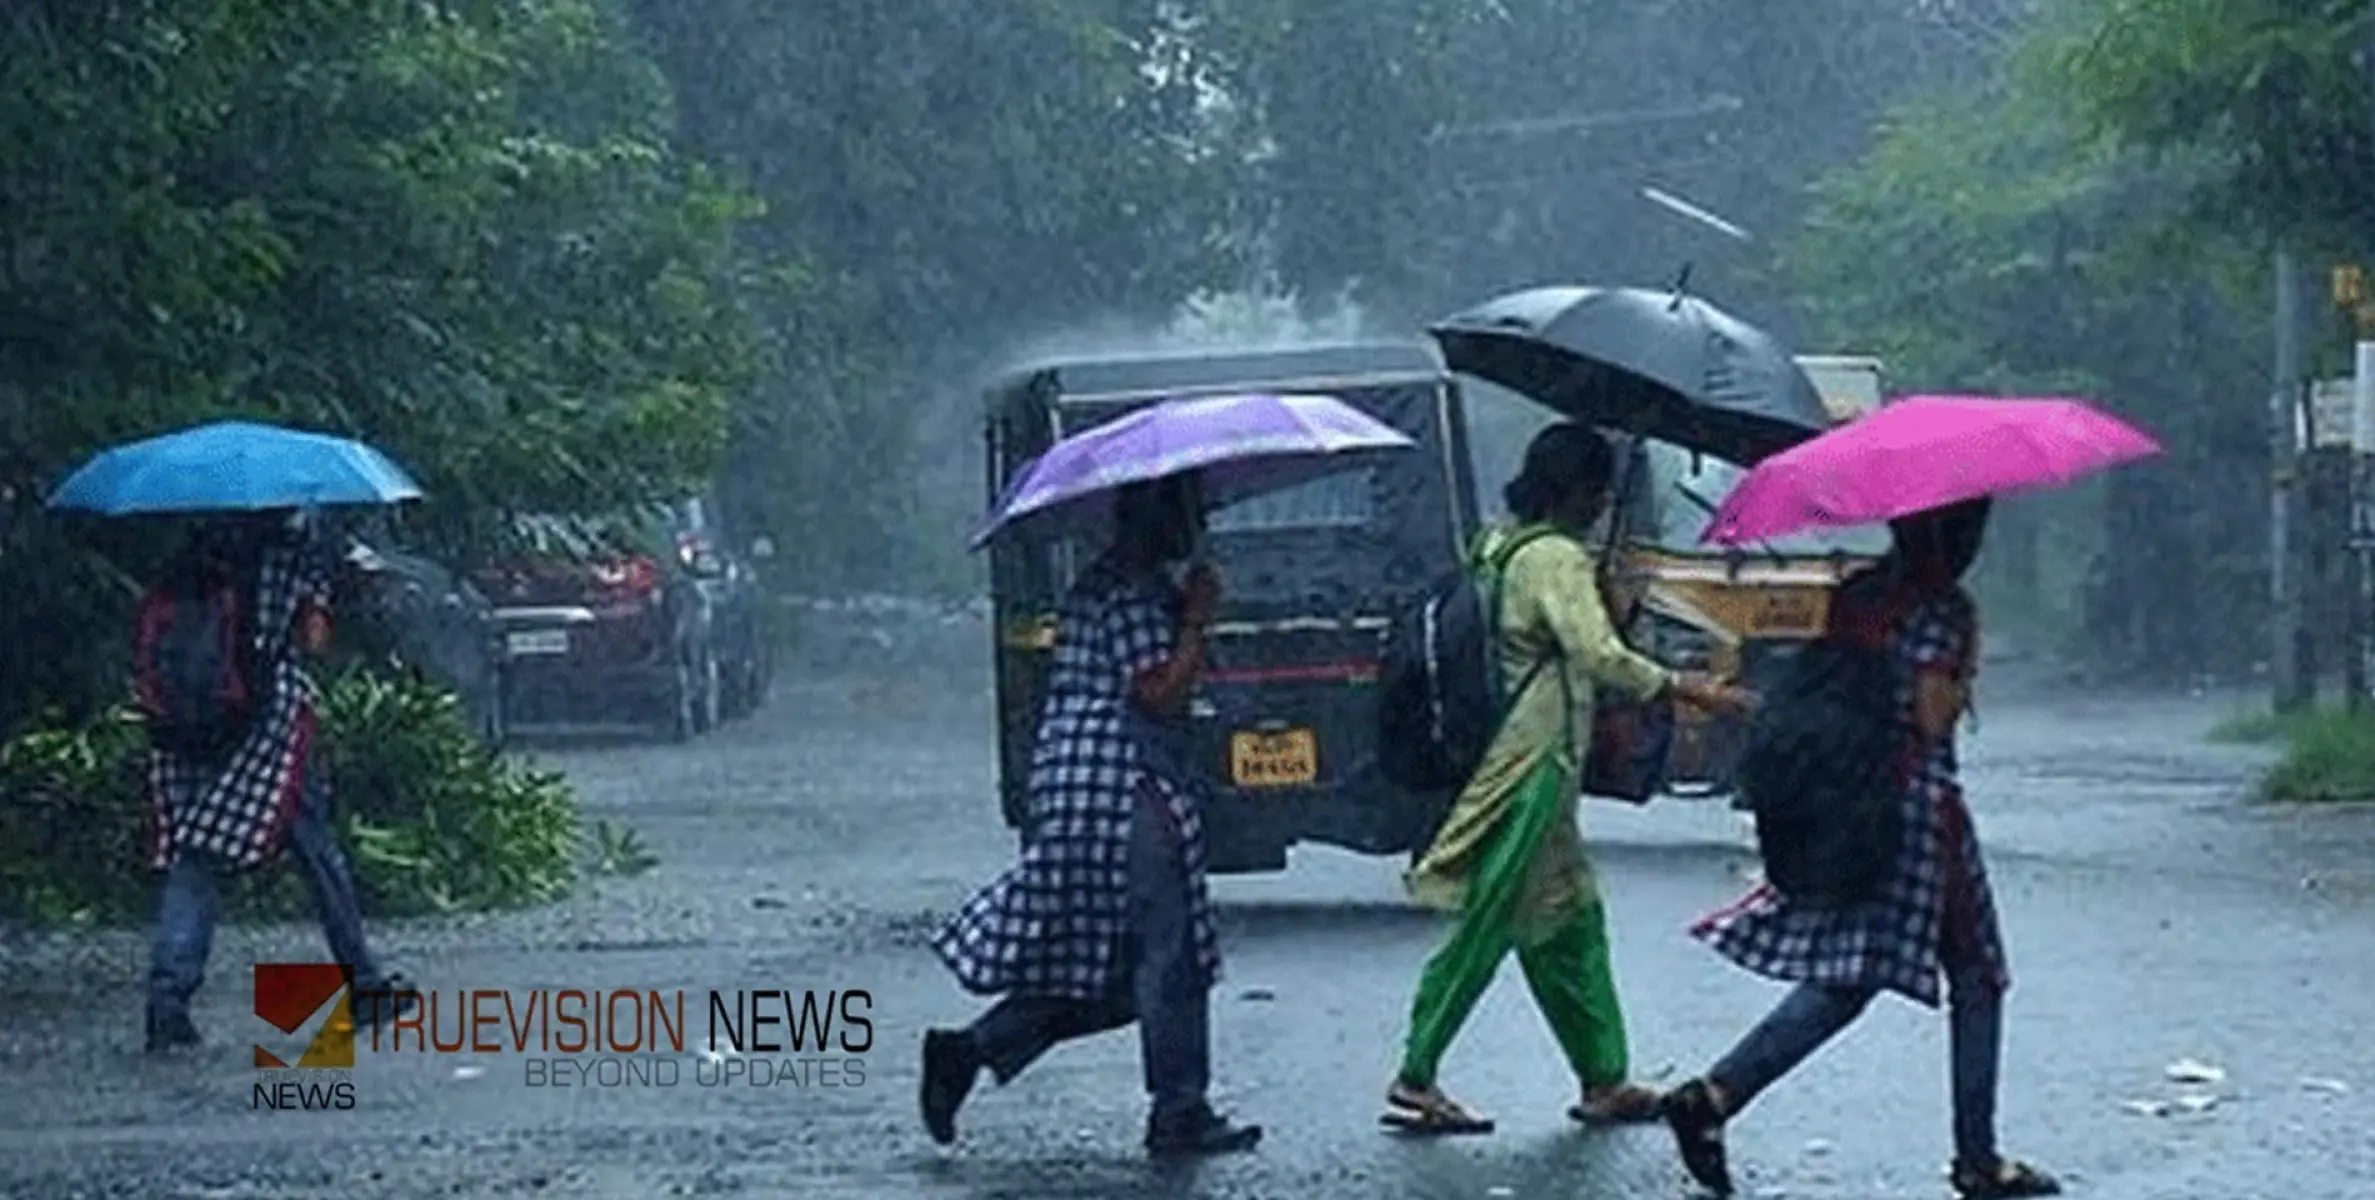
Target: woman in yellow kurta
point(1509, 858)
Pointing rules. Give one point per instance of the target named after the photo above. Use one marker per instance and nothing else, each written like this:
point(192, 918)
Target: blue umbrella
point(234, 466)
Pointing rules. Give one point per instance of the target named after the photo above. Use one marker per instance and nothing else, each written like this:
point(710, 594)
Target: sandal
point(1620, 1104)
point(1427, 1111)
point(1698, 1125)
point(2011, 1180)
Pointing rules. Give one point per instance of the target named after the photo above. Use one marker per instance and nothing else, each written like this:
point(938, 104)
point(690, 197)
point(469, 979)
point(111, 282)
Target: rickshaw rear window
point(1682, 486)
point(1347, 500)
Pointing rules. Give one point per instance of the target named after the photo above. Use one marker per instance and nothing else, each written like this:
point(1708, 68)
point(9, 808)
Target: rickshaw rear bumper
point(1250, 830)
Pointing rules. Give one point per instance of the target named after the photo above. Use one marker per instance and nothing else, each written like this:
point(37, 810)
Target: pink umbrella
point(1923, 452)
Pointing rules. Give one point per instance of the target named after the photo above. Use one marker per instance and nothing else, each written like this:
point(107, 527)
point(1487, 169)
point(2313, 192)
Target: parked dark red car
point(606, 619)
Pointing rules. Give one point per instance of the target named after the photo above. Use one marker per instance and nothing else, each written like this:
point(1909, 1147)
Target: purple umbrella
point(1240, 446)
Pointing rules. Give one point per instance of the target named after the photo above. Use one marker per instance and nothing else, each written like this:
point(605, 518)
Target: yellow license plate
point(1287, 758)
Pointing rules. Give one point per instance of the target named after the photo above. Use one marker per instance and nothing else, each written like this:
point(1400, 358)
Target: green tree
point(954, 178)
point(1347, 102)
point(458, 231)
point(1570, 109)
point(1985, 244)
point(2271, 91)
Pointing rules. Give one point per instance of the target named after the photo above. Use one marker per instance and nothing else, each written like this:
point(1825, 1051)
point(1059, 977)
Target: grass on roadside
point(2328, 753)
point(2254, 727)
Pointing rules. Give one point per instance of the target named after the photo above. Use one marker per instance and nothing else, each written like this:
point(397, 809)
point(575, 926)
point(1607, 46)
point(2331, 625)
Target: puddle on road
point(2124, 773)
point(649, 945)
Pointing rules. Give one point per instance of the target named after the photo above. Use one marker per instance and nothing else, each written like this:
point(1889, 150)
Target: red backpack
point(193, 665)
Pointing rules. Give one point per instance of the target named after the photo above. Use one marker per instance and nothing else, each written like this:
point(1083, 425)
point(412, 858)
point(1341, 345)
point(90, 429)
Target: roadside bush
point(2253, 726)
point(2329, 755)
point(72, 823)
point(436, 820)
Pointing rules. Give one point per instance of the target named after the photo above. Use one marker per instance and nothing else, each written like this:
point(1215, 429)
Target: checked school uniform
point(237, 812)
point(1939, 890)
point(210, 820)
point(1935, 917)
point(1105, 919)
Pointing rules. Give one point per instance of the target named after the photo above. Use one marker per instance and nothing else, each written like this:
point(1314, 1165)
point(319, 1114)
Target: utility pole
point(2289, 658)
point(2362, 511)
point(2362, 470)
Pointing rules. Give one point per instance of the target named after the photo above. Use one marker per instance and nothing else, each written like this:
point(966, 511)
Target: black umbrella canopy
point(1663, 364)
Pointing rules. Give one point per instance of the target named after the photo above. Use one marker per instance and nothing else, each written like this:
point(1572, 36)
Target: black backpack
point(1819, 770)
point(194, 665)
point(1440, 697)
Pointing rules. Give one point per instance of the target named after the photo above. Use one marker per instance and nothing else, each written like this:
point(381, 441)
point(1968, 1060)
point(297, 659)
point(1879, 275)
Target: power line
point(1585, 122)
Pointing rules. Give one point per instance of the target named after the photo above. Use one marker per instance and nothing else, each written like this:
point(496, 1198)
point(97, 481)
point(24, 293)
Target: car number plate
point(538, 641)
point(1286, 758)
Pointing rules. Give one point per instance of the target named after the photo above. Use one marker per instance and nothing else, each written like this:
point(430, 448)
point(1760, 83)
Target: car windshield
point(1343, 501)
point(1344, 538)
point(555, 535)
point(1683, 488)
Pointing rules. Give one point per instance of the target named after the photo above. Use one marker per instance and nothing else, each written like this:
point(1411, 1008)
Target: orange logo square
point(295, 997)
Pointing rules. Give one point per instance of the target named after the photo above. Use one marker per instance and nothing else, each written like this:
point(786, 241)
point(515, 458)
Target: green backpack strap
point(1495, 567)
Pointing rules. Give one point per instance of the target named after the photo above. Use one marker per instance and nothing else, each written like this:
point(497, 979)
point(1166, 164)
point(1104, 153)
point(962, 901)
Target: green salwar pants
point(1568, 967)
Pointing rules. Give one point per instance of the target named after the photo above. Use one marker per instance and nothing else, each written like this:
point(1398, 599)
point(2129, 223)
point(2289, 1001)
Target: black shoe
point(384, 999)
point(2010, 1180)
point(167, 1034)
point(1698, 1126)
point(1199, 1131)
point(950, 1068)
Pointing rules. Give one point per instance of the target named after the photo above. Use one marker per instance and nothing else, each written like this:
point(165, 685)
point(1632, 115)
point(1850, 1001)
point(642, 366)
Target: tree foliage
point(947, 177)
point(1991, 242)
point(569, 253)
point(1570, 109)
point(969, 161)
point(438, 820)
point(1970, 218)
point(1353, 189)
point(2275, 90)
point(458, 231)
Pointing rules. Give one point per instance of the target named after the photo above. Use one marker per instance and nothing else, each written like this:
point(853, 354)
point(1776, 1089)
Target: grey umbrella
point(1663, 364)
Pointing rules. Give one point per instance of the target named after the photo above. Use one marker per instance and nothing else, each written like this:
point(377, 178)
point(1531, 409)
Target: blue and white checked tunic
point(238, 812)
point(1057, 922)
point(1940, 888)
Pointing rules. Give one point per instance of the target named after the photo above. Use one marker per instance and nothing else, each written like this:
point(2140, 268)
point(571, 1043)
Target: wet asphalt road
point(2152, 916)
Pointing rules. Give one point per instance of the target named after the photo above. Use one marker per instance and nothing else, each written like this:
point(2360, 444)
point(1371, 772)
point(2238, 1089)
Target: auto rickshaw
point(1285, 723)
point(1738, 613)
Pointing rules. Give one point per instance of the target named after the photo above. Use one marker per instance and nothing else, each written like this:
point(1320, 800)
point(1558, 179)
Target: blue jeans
point(1812, 1014)
point(191, 903)
point(1168, 997)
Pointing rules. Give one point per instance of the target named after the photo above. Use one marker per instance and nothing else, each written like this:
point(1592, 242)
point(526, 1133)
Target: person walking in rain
point(1935, 915)
point(1105, 919)
point(1509, 860)
point(235, 773)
